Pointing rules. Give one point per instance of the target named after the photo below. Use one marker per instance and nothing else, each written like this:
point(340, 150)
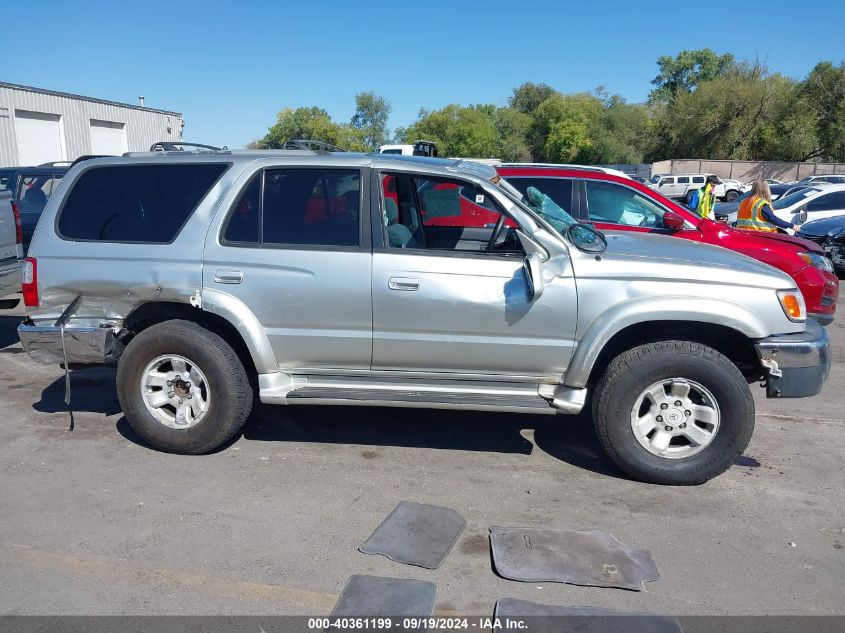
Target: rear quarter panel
point(115, 278)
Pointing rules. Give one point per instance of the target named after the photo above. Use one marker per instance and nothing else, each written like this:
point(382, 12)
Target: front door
point(291, 249)
point(446, 300)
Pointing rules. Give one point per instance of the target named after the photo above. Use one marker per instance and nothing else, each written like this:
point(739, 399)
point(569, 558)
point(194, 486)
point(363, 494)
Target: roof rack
point(314, 146)
point(179, 146)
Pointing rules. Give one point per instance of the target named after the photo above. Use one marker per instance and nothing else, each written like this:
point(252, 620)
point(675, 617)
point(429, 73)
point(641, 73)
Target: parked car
point(7, 178)
point(828, 233)
point(33, 187)
point(682, 186)
point(830, 179)
point(11, 250)
point(613, 203)
point(816, 202)
point(418, 148)
point(727, 211)
point(204, 277)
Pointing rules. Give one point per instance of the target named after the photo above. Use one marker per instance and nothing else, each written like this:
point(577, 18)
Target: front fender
point(647, 309)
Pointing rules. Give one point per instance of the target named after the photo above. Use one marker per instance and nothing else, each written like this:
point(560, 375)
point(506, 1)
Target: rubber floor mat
point(416, 534)
point(543, 618)
point(375, 596)
point(592, 558)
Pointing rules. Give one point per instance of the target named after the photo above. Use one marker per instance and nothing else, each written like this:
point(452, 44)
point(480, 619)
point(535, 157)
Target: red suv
point(615, 202)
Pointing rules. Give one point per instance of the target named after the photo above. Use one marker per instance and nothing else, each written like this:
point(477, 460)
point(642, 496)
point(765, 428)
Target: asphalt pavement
point(92, 521)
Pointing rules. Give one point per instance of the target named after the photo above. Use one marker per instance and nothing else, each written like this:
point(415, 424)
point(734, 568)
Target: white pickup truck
point(681, 186)
point(11, 247)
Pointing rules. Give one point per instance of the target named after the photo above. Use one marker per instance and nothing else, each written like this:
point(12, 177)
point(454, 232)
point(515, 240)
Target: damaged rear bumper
point(797, 364)
point(82, 345)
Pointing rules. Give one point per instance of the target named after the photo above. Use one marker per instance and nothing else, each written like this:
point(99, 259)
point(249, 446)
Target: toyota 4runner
point(351, 279)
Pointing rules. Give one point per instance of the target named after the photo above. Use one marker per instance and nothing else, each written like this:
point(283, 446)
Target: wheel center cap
point(674, 417)
point(181, 388)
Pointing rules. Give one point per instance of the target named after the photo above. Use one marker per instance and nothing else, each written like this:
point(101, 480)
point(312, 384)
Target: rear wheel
point(182, 388)
point(673, 412)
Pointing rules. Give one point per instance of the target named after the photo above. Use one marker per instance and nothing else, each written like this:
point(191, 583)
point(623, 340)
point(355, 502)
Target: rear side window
point(35, 190)
point(683, 180)
point(135, 203)
point(314, 207)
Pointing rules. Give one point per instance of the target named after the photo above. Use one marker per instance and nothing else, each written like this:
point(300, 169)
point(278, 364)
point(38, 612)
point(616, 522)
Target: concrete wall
point(747, 170)
point(144, 126)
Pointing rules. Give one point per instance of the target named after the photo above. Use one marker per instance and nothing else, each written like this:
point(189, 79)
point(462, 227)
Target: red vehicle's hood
point(783, 238)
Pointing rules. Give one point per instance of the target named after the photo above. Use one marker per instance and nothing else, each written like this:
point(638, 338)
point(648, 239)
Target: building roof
point(69, 95)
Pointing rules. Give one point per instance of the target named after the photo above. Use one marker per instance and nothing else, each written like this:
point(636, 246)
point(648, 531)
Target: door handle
point(403, 283)
point(228, 276)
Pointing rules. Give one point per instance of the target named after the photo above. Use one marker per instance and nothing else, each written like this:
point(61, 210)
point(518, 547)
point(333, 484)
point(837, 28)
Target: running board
point(421, 399)
point(434, 393)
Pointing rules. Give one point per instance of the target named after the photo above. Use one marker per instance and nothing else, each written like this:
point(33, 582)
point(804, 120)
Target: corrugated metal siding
point(143, 128)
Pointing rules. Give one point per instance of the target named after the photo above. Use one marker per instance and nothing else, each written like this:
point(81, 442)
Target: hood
point(648, 256)
point(798, 241)
point(825, 226)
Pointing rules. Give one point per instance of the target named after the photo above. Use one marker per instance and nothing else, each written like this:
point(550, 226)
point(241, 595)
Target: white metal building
point(40, 126)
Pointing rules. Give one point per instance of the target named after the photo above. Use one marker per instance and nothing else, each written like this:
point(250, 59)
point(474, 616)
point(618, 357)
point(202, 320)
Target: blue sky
point(229, 67)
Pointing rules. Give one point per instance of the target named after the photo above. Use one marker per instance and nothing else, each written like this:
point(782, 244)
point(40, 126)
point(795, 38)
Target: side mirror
point(533, 270)
point(673, 221)
point(802, 215)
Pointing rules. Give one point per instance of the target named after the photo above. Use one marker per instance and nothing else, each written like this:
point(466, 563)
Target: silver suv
point(383, 280)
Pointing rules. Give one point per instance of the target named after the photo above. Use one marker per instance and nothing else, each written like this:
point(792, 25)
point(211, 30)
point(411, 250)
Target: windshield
point(655, 179)
point(794, 198)
point(548, 209)
point(541, 204)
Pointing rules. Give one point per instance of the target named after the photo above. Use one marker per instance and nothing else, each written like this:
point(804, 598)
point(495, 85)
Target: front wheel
point(731, 196)
point(673, 412)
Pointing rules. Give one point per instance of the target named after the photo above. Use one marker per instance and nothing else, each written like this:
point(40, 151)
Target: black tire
point(731, 195)
point(231, 399)
point(688, 197)
point(630, 373)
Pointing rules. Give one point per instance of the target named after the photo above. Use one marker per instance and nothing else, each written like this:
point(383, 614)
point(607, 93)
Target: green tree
point(823, 94)
point(370, 119)
point(528, 97)
point(512, 127)
point(789, 131)
point(468, 132)
point(725, 117)
point(684, 72)
point(560, 128)
point(303, 123)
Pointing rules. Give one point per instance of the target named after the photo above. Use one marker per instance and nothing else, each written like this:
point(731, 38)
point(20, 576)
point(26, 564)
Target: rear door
point(291, 248)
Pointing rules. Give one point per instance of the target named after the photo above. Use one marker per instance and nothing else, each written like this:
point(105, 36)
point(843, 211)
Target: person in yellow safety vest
point(703, 201)
point(756, 213)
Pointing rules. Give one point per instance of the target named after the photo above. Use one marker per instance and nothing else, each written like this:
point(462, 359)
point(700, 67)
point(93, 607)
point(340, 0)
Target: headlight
point(792, 302)
point(819, 261)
